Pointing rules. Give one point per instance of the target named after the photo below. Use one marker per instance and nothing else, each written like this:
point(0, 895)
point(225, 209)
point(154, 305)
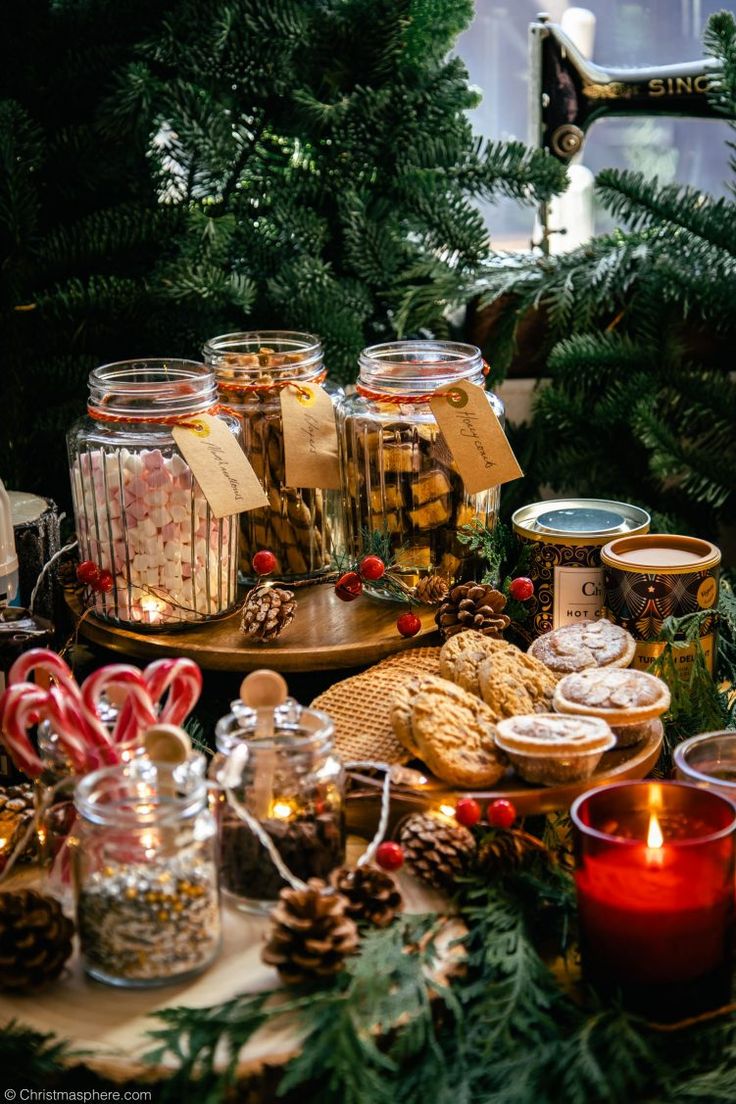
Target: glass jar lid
point(152, 387)
point(262, 355)
point(288, 728)
point(419, 366)
point(142, 793)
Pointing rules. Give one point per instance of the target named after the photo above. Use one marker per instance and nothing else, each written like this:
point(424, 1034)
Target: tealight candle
point(709, 760)
point(655, 884)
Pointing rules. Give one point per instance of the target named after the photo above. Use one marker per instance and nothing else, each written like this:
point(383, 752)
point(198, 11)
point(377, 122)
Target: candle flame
point(282, 810)
point(654, 835)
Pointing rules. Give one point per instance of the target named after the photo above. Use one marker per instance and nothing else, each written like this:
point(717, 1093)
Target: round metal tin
point(566, 536)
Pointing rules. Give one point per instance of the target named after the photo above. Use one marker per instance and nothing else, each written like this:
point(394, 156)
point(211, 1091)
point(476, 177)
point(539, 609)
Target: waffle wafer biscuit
point(360, 706)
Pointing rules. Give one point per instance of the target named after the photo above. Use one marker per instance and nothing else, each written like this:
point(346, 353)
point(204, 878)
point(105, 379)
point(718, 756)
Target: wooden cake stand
point(326, 634)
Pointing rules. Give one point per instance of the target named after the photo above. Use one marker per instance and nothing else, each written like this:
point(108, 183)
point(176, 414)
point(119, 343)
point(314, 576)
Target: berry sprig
point(370, 568)
point(96, 578)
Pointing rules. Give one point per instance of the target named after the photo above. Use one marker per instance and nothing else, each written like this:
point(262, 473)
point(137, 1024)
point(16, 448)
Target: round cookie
point(401, 708)
point(512, 682)
point(460, 655)
point(455, 735)
point(585, 644)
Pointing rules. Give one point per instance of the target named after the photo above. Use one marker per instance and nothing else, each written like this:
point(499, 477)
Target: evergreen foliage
point(79, 226)
point(640, 328)
point(173, 171)
point(324, 163)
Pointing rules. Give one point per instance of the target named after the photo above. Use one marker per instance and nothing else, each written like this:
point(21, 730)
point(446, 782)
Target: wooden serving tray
point(415, 790)
point(326, 634)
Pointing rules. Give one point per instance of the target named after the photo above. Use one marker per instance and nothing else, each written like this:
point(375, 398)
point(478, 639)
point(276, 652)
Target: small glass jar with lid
point(145, 870)
point(140, 514)
point(398, 475)
point(294, 785)
point(297, 525)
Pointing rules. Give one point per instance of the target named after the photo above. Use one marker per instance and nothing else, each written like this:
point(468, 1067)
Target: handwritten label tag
point(220, 466)
point(475, 437)
point(310, 437)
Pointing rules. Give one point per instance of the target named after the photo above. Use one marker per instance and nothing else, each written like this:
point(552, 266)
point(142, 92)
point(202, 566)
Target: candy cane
point(41, 659)
point(22, 706)
point(183, 680)
point(136, 714)
point(66, 721)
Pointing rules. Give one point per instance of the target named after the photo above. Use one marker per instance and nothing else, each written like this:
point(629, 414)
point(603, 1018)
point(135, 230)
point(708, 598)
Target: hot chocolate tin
point(650, 577)
point(566, 536)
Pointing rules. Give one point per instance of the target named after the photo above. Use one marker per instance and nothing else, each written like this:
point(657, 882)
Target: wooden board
point(326, 634)
point(410, 795)
point(107, 1026)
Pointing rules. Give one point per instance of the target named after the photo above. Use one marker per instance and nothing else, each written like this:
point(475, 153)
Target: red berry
point(349, 586)
point(521, 588)
point(467, 812)
point(390, 855)
point(408, 624)
point(501, 813)
point(372, 567)
point(88, 572)
point(105, 582)
point(264, 562)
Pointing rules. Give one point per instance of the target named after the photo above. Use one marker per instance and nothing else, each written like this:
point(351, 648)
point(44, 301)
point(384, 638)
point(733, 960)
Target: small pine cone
point(17, 809)
point(507, 850)
point(372, 896)
point(435, 850)
point(268, 610)
point(311, 934)
point(473, 606)
point(431, 590)
point(35, 939)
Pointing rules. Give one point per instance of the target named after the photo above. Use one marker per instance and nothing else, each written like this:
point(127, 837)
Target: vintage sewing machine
point(568, 93)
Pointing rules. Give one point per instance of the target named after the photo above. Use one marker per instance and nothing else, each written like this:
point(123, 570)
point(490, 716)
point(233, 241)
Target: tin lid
point(660, 553)
point(579, 520)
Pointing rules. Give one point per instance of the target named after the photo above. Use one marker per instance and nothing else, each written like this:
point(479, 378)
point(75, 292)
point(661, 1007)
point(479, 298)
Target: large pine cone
point(35, 939)
point(311, 934)
point(371, 894)
point(267, 612)
point(435, 850)
point(17, 810)
point(507, 850)
point(472, 606)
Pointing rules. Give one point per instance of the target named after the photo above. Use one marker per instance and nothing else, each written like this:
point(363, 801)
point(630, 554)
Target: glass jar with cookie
point(251, 370)
point(398, 475)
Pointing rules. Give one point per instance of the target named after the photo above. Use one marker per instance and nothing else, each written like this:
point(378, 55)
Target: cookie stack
point(551, 712)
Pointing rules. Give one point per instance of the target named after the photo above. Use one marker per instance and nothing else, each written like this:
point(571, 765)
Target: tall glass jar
point(252, 370)
point(146, 872)
point(140, 513)
point(398, 474)
point(294, 785)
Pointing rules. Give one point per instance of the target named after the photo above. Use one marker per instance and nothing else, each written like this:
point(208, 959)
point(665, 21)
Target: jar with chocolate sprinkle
point(293, 784)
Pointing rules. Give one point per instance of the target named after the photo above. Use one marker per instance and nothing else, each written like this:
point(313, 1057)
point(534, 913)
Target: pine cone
point(17, 809)
point(435, 850)
point(431, 590)
point(472, 606)
point(507, 850)
point(35, 939)
point(311, 934)
point(267, 612)
point(372, 894)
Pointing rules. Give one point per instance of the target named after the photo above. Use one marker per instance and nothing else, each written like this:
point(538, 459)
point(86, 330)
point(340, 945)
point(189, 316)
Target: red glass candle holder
point(655, 885)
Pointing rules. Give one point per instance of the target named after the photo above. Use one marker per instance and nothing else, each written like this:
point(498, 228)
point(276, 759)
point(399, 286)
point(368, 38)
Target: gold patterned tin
point(566, 536)
point(651, 577)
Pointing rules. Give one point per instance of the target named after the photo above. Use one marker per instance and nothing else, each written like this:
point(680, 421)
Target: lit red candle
point(655, 882)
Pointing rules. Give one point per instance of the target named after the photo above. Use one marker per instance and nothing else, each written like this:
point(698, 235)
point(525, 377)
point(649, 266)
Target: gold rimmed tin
point(650, 577)
point(566, 536)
